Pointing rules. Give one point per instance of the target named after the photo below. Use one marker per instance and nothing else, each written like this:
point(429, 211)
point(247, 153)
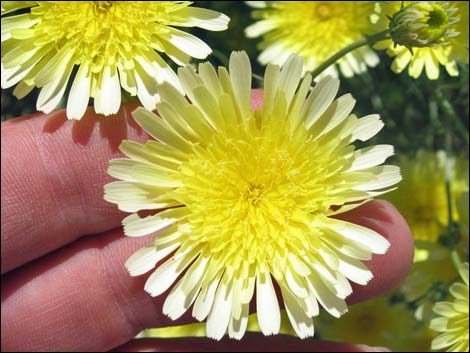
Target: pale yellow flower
point(104, 45)
point(245, 198)
point(430, 59)
point(422, 197)
point(378, 322)
point(315, 30)
point(453, 320)
point(433, 264)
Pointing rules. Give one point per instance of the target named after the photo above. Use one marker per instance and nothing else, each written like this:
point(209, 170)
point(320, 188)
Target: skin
point(64, 286)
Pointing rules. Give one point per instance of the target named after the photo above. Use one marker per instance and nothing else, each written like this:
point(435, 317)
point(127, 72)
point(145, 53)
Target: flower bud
point(423, 24)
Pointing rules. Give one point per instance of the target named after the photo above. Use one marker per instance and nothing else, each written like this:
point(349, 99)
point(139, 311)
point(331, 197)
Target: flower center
point(324, 11)
point(438, 18)
point(101, 33)
point(103, 5)
point(253, 193)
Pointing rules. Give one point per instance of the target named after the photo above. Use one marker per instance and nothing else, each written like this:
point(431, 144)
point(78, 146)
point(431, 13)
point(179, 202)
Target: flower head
point(454, 47)
point(423, 24)
point(453, 320)
point(424, 178)
point(432, 267)
point(378, 322)
point(247, 197)
point(314, 30)
point(112, 44)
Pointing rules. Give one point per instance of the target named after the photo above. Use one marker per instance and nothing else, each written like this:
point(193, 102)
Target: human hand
point(64, 285)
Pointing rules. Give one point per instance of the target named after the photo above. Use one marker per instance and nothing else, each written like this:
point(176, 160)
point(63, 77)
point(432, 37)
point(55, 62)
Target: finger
point(84, 290)
point(251, 342)
point(52, 178)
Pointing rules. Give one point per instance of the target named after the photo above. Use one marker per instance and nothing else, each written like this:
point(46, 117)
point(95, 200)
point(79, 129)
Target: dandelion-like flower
point(378, 322)
point(424, 178)
point(432, 265)
point(437, 31)
point(453, 320)
point(315, 30)
point(112, 44)
point(245, 198)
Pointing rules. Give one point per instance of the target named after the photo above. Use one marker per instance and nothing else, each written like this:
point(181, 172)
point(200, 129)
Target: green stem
point(338, 55)
point(450, 113)
point(454, 255)
point(451, 226)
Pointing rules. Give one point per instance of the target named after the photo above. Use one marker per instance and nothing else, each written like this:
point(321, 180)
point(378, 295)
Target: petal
point(371, 156)
point(134, 226)
point(240, 76)
point(205, 299)
point(168, 272)
point(188, 43)
point(367, 127)
point(237, 327)
point(108, 97)
point(300, 321)
point(202, 18)
point(145, 259)
point(219, 317)
point(363, 236)
point(385, 176)
point(152, 124)
point(79, 95)
point(269, 315)
point(320, 98)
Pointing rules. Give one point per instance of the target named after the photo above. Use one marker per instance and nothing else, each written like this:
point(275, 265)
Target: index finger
point(52, 178)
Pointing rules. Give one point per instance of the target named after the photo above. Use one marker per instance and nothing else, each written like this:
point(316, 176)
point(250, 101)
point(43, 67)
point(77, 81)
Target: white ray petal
point(219, 316)
point(371, 156)
point(269, 315)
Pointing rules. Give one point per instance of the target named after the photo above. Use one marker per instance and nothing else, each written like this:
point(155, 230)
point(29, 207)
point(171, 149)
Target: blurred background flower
point(378, 322)
point(314, 30)
point(421, 197)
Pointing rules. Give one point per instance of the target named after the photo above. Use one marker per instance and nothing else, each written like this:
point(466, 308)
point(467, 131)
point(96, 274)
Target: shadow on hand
point(113, 128)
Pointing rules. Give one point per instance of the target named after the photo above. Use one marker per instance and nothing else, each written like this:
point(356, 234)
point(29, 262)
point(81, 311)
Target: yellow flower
point(422, 197)
point(423, 24)
point(248, 196)
point(433, 265)
point(113, 44)
point(459, 44)
point(453, 320)
point(377, 322)
point(315, 30)
point(430, 58)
